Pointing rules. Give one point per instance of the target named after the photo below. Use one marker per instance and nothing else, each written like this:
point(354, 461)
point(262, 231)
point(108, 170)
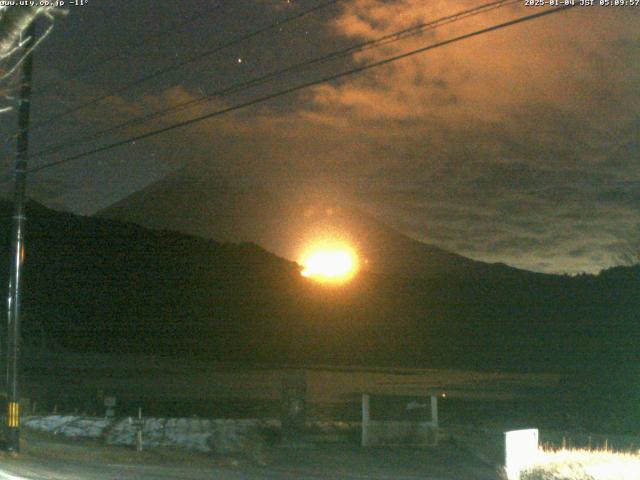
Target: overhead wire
point(183, 63)
point(305, 85)
point(164, 33)
point(296, 68)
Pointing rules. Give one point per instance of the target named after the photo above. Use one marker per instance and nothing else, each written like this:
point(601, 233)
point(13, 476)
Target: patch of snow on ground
point(204, 435)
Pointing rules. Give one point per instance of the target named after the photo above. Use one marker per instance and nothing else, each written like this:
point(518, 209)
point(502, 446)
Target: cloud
point(523, 140)
point(517, 146)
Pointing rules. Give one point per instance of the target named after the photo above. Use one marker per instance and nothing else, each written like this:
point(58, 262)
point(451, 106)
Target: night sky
point(520, 146)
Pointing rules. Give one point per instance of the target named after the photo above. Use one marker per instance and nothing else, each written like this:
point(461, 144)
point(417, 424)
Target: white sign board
point(521, 450)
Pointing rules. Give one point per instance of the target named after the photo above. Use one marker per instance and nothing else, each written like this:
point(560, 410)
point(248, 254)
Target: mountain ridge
point(227, 210)
point(97, 285)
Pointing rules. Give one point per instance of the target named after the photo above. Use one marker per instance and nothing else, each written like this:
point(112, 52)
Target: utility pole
point(17, 250)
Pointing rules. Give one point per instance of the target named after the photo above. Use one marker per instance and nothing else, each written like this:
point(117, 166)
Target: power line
point(384, 40)
point(130, 47)
point(190, 60)
point(303, 86)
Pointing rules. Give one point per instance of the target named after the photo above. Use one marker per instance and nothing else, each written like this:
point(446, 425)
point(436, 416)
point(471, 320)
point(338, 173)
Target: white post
point(139, 427)
point(365, 420)
point(434, 410)
point(521, 449)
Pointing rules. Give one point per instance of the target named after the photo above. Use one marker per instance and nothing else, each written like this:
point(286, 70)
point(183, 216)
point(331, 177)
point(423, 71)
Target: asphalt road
point(58, 471)
point(65, 470)
point(46, 459)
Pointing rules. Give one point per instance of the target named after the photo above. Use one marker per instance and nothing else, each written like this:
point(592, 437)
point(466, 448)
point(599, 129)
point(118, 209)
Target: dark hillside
point(106, 286)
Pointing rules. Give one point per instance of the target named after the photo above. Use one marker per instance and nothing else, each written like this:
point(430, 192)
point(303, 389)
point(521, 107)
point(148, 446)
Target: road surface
point(50, 459)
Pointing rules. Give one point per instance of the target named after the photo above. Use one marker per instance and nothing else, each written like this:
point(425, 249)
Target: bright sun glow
point(337, 264)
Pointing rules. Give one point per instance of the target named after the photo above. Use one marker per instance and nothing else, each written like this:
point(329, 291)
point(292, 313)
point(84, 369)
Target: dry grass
point(584, 465)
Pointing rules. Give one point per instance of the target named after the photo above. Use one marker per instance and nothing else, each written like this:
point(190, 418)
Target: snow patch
point(224, 436)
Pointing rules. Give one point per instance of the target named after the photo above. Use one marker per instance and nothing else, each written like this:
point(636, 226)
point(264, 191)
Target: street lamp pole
point(17, 250)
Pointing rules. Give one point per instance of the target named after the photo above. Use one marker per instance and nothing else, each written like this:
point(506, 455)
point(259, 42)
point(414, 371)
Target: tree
point(13, 22)
point(628, 252)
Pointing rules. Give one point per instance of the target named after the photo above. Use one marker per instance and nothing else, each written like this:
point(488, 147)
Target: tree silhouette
point(14, 21)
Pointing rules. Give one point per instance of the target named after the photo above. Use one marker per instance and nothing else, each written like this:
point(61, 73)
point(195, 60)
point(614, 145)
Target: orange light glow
point(334, 264)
